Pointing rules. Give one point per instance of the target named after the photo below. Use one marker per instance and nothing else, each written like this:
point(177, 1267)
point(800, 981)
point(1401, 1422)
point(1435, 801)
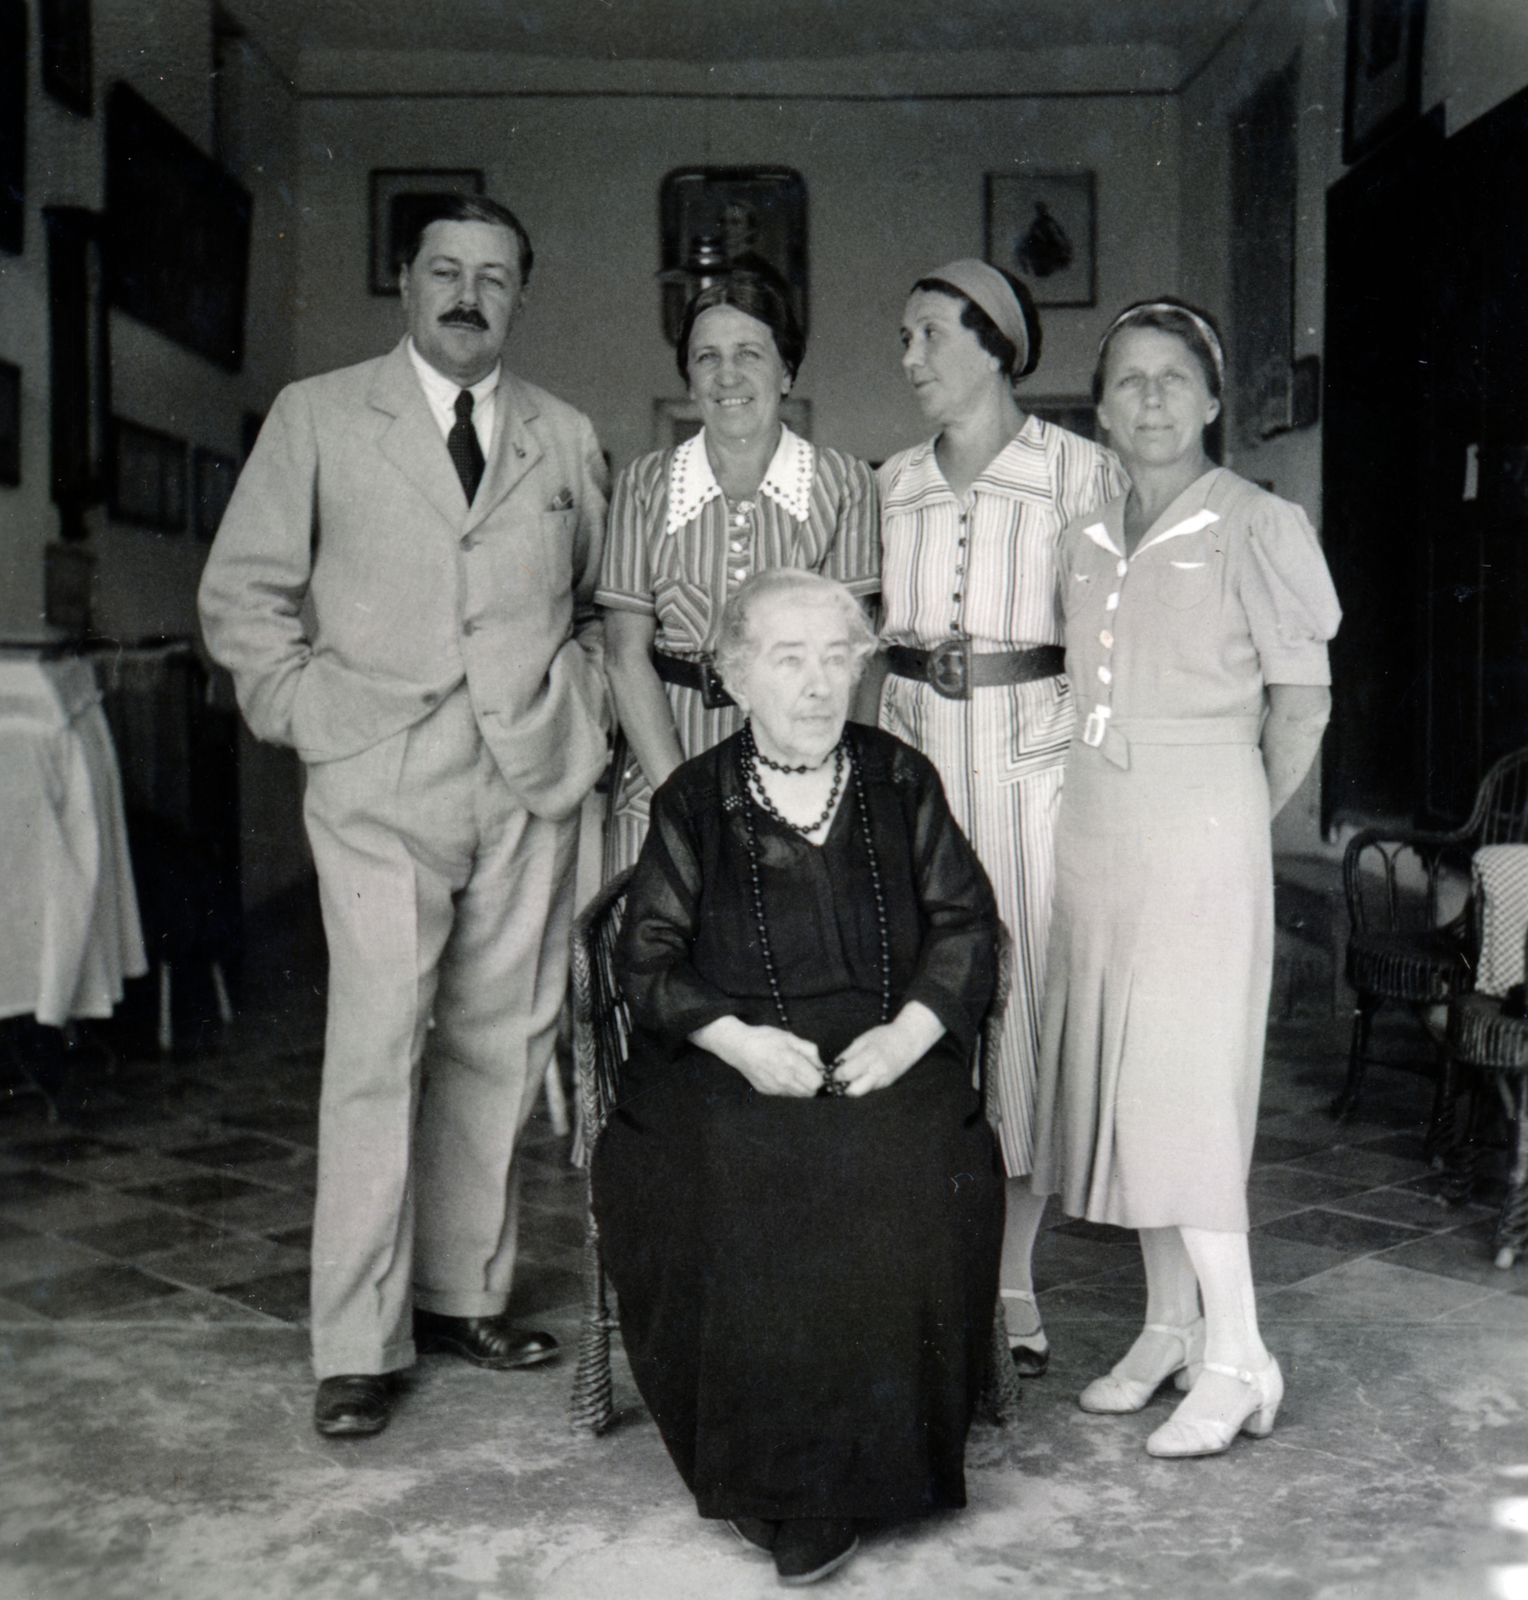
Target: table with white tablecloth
point(69, 927)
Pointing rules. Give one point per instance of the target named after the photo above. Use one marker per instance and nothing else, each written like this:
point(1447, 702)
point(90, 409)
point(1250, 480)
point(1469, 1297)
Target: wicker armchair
point(601, 1028)
point(1492, 1045)
point(1399, 948)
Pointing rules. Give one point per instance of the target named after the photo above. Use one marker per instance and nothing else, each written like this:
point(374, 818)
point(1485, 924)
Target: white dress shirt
point(442, 391)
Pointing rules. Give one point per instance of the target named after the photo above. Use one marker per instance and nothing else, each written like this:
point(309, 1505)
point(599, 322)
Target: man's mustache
point(465, 317)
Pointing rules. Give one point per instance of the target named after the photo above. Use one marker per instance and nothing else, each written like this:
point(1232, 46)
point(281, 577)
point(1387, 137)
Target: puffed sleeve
point(855, 557)
point(956, 966)
point(667, 995)
point(1287, 594)
point(626, 582)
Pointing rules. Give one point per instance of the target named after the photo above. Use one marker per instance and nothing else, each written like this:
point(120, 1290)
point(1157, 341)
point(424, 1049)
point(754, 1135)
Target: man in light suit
point(402, 590)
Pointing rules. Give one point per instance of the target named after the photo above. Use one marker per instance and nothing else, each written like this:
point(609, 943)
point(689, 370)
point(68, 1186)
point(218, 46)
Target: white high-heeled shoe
point(1208, 1436)
point(1116, 1393)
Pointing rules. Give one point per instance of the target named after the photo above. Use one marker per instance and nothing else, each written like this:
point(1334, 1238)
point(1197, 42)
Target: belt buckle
point(713, 692)
point(949, 669)
point(1097, 725)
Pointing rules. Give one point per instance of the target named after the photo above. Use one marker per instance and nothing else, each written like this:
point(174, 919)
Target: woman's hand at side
point(881, 1055)
point(772, 1060)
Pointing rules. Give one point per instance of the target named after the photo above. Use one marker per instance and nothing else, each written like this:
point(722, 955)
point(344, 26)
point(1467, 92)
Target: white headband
point(986, 287)
point(1206, 332)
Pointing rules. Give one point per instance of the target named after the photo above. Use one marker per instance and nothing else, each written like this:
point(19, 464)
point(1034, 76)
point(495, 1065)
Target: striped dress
point(985, 568)
point(675, 550)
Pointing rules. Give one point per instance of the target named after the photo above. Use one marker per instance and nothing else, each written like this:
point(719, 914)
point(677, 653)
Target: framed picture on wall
point(10, 424)
point(1384, 71)
point(1041, 227)
point(147, 482)
point(398, 198)
point(66, 54)
point(714, 220)
point(212, 479)
point(674, 421)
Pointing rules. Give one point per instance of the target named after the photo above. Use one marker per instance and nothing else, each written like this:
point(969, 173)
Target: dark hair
point(988, 335)
point(755, 296)
point(1166, 315)
point(468, 208)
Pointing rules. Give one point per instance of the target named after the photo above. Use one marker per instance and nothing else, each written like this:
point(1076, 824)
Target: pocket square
point(562, 501)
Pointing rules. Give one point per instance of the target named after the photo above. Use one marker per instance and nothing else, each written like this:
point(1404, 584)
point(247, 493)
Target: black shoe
point(758, 1533)
point(484, 1341)
point(1029, 1362)
point(352, 1404)
point(811, 1548)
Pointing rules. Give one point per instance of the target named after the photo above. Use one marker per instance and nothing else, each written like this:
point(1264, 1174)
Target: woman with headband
point(1198, 608)
point(969, 526)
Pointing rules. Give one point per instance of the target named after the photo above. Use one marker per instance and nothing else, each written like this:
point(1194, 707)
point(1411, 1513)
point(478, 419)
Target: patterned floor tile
point(1409, 1206)
point(1374, 1291)
point(284, 1296)
point(225, 1258)
point(67, 1150)
point(196, 1193)
point(27, 1256)
point(1276, 1261)
point(1336, 1230)
point(88, 1293)
point(1358, 1163)
point(1466, 1255)
point(185, 1308)
point(1271, 1149)
point(239, 1152)
point(266, 1211)
point(78, 1208)
point(139, 1236)
point(1296, 1184)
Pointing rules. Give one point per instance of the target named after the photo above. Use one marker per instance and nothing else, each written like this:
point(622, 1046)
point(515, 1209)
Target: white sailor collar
point(788, 481)
point(1099, 533)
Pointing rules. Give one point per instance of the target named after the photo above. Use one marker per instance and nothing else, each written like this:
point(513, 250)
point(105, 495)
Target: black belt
point(953, 669)
point(698, 675)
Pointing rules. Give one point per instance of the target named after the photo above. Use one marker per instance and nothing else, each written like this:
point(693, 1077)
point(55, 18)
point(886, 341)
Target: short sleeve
point(1287, 593)
point(626, 579)
point(855, 556)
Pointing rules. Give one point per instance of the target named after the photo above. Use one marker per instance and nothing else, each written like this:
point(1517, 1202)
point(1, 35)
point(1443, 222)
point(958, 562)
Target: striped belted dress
point(983, 568)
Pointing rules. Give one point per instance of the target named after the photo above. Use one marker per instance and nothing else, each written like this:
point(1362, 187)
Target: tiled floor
point(153, 1266)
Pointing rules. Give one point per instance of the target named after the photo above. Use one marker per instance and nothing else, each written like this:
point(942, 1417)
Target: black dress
point(806, 1285)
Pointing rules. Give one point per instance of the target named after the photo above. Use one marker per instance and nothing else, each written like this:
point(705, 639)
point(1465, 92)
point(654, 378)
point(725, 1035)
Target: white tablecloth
point(1501, 878)
point(69, 929)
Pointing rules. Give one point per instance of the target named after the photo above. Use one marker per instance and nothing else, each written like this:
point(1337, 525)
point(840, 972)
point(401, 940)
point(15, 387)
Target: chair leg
point(1444, 1130)
point(220, 990)
point(1001, 1390)
point(166, 1014)
point(1512, 1226)
point(1456, 1152)
point(591, 1408)
point(1346, 1103)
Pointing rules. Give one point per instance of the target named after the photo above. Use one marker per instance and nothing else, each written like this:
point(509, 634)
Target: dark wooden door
point(1381, 267)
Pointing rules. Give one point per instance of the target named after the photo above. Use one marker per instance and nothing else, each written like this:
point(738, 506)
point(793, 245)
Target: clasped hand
point(775, 1061)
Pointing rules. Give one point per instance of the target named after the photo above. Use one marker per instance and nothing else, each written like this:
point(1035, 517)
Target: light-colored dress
point(1162, 941)
point(985, 568)
point(676, 549)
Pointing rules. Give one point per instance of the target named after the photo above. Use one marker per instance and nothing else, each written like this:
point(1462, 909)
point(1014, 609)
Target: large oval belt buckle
point(949, 669)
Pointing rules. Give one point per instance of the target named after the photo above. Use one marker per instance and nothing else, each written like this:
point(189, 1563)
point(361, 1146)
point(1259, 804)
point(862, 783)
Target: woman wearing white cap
point(969, 529)
point(1197, 613)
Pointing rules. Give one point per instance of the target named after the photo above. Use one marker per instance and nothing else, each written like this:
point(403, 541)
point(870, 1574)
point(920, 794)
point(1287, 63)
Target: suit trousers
point(447, 910)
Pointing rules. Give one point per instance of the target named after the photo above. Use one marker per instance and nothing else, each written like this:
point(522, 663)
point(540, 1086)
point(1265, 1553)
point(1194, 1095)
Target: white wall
point(145, 582)
point(894, 188)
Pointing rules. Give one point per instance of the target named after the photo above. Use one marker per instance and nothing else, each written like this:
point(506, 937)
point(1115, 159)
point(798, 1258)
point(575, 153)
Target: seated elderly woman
point(799, 1200)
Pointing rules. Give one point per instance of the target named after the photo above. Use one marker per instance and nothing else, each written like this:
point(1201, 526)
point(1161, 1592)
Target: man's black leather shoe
point(484, 1341)
point(352, 1404)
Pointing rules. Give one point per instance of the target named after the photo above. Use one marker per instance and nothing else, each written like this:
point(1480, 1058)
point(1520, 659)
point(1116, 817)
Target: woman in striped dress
point(688, 525)
point(969, 529)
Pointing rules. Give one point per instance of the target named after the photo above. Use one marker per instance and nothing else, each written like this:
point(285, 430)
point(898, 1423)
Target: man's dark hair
point(468, 208)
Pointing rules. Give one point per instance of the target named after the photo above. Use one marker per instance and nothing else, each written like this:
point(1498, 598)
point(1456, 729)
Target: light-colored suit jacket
point(351, 587)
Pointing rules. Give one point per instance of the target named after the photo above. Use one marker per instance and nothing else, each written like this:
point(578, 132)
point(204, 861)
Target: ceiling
point(729, 31)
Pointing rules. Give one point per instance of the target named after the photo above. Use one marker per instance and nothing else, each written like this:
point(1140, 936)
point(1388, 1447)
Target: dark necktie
point(462, 442)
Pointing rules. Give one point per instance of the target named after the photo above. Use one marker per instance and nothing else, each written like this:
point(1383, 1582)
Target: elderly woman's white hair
point(736, 646)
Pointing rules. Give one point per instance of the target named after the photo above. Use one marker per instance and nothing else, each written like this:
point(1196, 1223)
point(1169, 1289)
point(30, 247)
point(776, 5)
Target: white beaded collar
point(788, 482)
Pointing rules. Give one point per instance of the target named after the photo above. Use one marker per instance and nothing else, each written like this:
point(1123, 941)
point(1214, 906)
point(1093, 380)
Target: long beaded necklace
point(753, 756)
point(766, 950)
